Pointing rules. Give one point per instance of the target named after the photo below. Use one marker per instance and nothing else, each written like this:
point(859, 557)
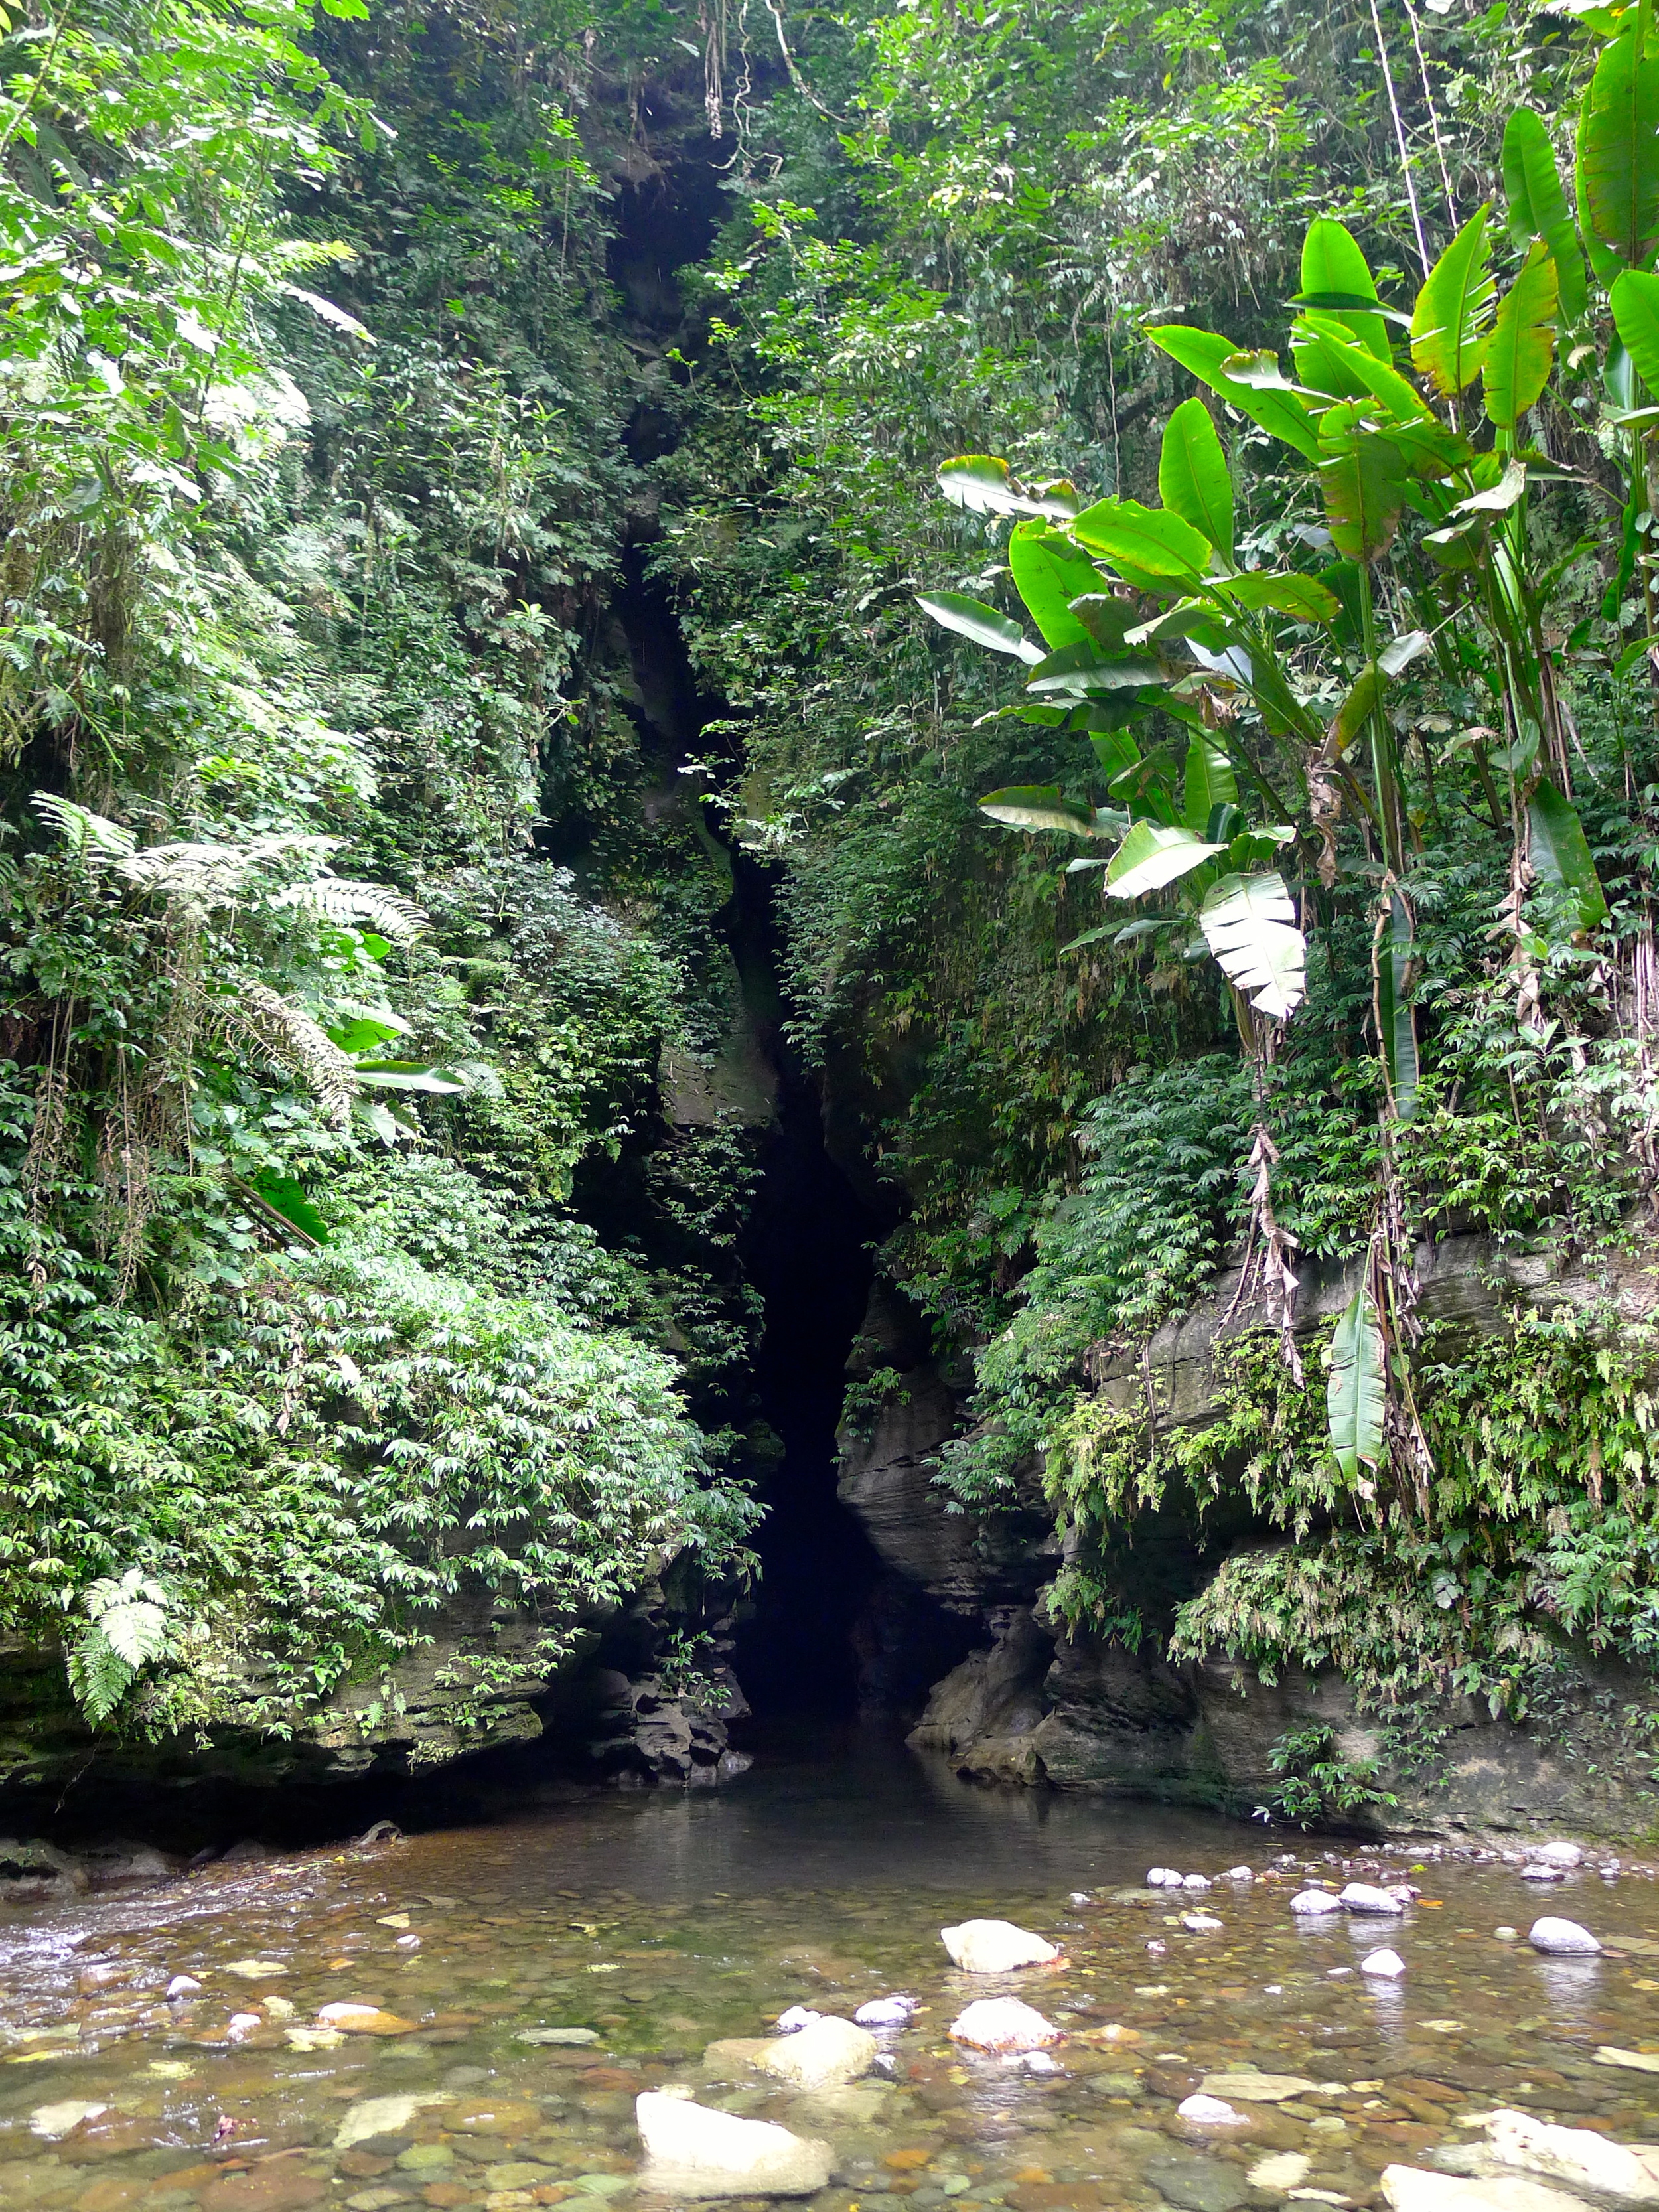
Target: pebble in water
point(1562, 1938)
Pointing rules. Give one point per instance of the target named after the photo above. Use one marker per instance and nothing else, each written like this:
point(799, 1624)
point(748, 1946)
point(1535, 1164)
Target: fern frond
point(205, 873)
point(270, 1028)
point(335, 900)
point(94, 834)
point(99, 1676)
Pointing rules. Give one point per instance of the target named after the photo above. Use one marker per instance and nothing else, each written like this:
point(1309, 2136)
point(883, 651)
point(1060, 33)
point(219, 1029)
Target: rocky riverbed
point(470, 2020)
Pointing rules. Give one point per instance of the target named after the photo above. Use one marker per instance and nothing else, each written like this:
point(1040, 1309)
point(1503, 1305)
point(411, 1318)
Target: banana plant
point(1210, 819)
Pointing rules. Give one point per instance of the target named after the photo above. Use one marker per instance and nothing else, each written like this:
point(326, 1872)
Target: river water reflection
point(657, 1926)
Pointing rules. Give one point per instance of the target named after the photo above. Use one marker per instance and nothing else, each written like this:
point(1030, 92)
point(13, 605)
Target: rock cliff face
point(1032, 1706)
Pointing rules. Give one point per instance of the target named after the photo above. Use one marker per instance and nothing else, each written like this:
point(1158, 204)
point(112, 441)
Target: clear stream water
point(663, 1922)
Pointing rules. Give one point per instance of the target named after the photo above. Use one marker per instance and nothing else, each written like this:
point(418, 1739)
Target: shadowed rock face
point(1036, 1706)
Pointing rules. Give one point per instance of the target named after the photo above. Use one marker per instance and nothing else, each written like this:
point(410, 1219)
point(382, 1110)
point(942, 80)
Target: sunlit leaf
point(972, 618)
point(1453, 309)
point(1356, 1394)
point(1249, 924)
point(1516, 365)
point(1155, 854)
point(1193, 477)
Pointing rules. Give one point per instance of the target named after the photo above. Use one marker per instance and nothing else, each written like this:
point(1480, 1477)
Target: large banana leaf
point(1538, 206)
point(1048, 573)
point(1249, 925)
point(1357, 1392)
point(1193, 478)
point(1618, 158)
point(1396, 1019)
point(1357, 709)
point(1148, 546)
point(1203, 355)
point(1303, 598)
point(1560, 854)
point(1635, 299)
point(1155, 854)
point(1209, 782)
point(1045, 806)
point(972, 618)
point(1516, 365)
point(1332, 262)
point(1449, 319)
point(1083, 671)
point(1352, 371)
point(983, 485)
point(1362, 476)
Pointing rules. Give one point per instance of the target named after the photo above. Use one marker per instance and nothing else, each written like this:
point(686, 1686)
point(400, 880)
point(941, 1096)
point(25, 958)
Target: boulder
point(1560, 1855)
point(1201, 1923)
point(1384, 1965)
point(826, 2054)
point(885, 2012)
point(35, 1873)
point(1577, 2156)
point(1639, 2061)
point(1364, 1897)
point(1003, 2024)
point(1412, 2189)
point(1211, 2112)
point(995, 1947)
point(692, 2151)
point(1561, 1939)
point(1314, 1903)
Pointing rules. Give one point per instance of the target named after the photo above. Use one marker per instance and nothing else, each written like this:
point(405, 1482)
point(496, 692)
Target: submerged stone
point(692, 2151)
point(1003, 2024)
point(995, 1947)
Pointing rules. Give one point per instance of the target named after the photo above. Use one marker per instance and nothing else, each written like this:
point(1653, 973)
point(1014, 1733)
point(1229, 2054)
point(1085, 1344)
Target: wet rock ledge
point(1033, 1706)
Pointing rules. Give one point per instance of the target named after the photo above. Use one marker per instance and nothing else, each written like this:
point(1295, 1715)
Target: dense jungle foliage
point(1211, 802)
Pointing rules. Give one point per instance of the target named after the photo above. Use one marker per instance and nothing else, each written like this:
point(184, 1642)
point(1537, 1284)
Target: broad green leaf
point(1499, 497)
point(1358, 372)
point(1560, 853)
point(1202, 354)
point(1038, 806)
point(1082, 672)
point(409, 1075)
point(362, 1032)
point(1209, 782)
point(1362, 476)
point(1398, 654)
point(1303, 598)
point(1155, 854)
point(983, 485)
point(1396, 1019)
point(1115, 750)
point(1104, 618)
point(1193, 478)
point(1634, 300)
point(1618, 157)
point(1449, 319)
point(1332, 262)
point(1356, 1394)
point(1149, 547)
point(286, 1196)
point(1249, 925)
point(1049, 573)
point(972, 618)
point(1516, 365)
point(1538, 206)
point(1358, 301)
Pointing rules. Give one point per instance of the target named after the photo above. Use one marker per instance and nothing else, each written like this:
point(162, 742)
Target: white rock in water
point(826, 2054)
point(1002, 2024)
point(1161, 1878)
point(995, 1947)
point(1561, 1855)
point(1576, 2155)
point(885, 2012)
point(54, 2122)
point(1538, 1870)
point(1314, 1903)
point(1561, 1939)
point(1081, 1896)
point(1034, 2062)
point(1387, 1966)
point(1195, 1882)
point(1283, 2170)
point(1201, 1923)
point(384, 2116)
point(1366, 1897)
point(1410, 2189)
point(1640, 2061)
point(797, 2017)
point(1238, 1874)
point(242, 2025)
point(184, 1985)
point(691, 2150)
point(558, 2038)
point(1211, 2109)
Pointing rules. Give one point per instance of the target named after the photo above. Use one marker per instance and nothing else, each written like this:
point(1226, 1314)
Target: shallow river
point(660, 1923)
